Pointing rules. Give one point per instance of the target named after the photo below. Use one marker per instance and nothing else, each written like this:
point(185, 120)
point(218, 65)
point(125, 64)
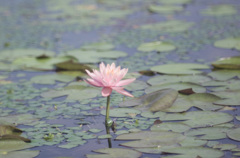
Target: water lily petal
point(125, 82)
point(106, 91)
point(93, 82)
point(122, 91)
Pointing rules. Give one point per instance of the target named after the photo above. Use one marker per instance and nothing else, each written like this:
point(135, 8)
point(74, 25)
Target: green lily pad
point(165, 9)
point(200, 118)
point(231, 97)
point(163, 79)
point(192, 142)
point(209, 133)
point(45, 64)
point(121, 112)
point(106, 136)
point(151, 138)
point(155, 101)
point(51, 79)
point(115, 152)
point(180, 68)
point(74, 91)
point(228, 63)
point(98, 46)
point(156, 46)
point(175, 1)
point(72, 66)
point(9, 130)
point(225, 146)
point(228, 43)
point(13, 145)
point(234, 134)
point(223, 75)
point(136, 85)
point(172, 26)
point(25, 154)
point(220, 10)
point(177, 86)
point(170, 126)
point(92, 56)
point(19, 119)
point(19, 53)
point(194, 152)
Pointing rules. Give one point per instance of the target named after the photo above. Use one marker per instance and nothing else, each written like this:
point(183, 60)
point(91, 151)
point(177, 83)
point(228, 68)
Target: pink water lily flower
point(110, 78)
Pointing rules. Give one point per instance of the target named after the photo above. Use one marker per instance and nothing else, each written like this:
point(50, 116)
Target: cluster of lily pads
point(180, 110)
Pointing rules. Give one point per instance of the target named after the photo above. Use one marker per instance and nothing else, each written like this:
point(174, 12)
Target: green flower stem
point(108, 121)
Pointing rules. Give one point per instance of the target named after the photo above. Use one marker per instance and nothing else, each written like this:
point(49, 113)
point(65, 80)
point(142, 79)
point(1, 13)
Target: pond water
point(184, 55)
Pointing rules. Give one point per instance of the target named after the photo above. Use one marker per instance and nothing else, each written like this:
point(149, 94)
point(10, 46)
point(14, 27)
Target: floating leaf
point(155, 101)
point(95, 56)
point(200, 118)
point(151, 138)
point(234, 134)
point(209, 133)
point(156, 46)
point(19, 53)
point(31, 63)
point(136, 85)
point(220, 10)
point(121, 112)
point(51, 79)
point(177, 86)
point(106, 136)
point(25, 154)
point(72, 66)
point(175, 1)
point(115, 152)
point(170, 126)
point(169, 26)
point(163, 79)
point(228, 63)
point(165, 9)
point(192, 142)
point(223, 75)
point(225, 146)
point(228, 43)
point(9, 130)
point(98, 46)
point(194, 152)
point(180, 68)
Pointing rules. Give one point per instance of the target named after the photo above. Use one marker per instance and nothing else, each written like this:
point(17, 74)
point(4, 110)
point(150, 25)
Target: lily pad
point(163, 79)
point(223, 75)
point(228, 63)
point(209, 133)
point(165, 9)
point(175, 1)
point(171, 26)
point(220, 10)
point(9, 130)
point(92, 56)
point(194, 152)
point(115, 153)
point(177, 86)
point(156, 46)
point(228, 43)
point(200, 118)
point(45, 64)
point(234, 134)
point(121, 112)
point(180, 68)
point(13, 54)
point(51, 79)
point(155, 101)
point(170, 126)
point(151, 138)
point(98, 46)
point(25, 154)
